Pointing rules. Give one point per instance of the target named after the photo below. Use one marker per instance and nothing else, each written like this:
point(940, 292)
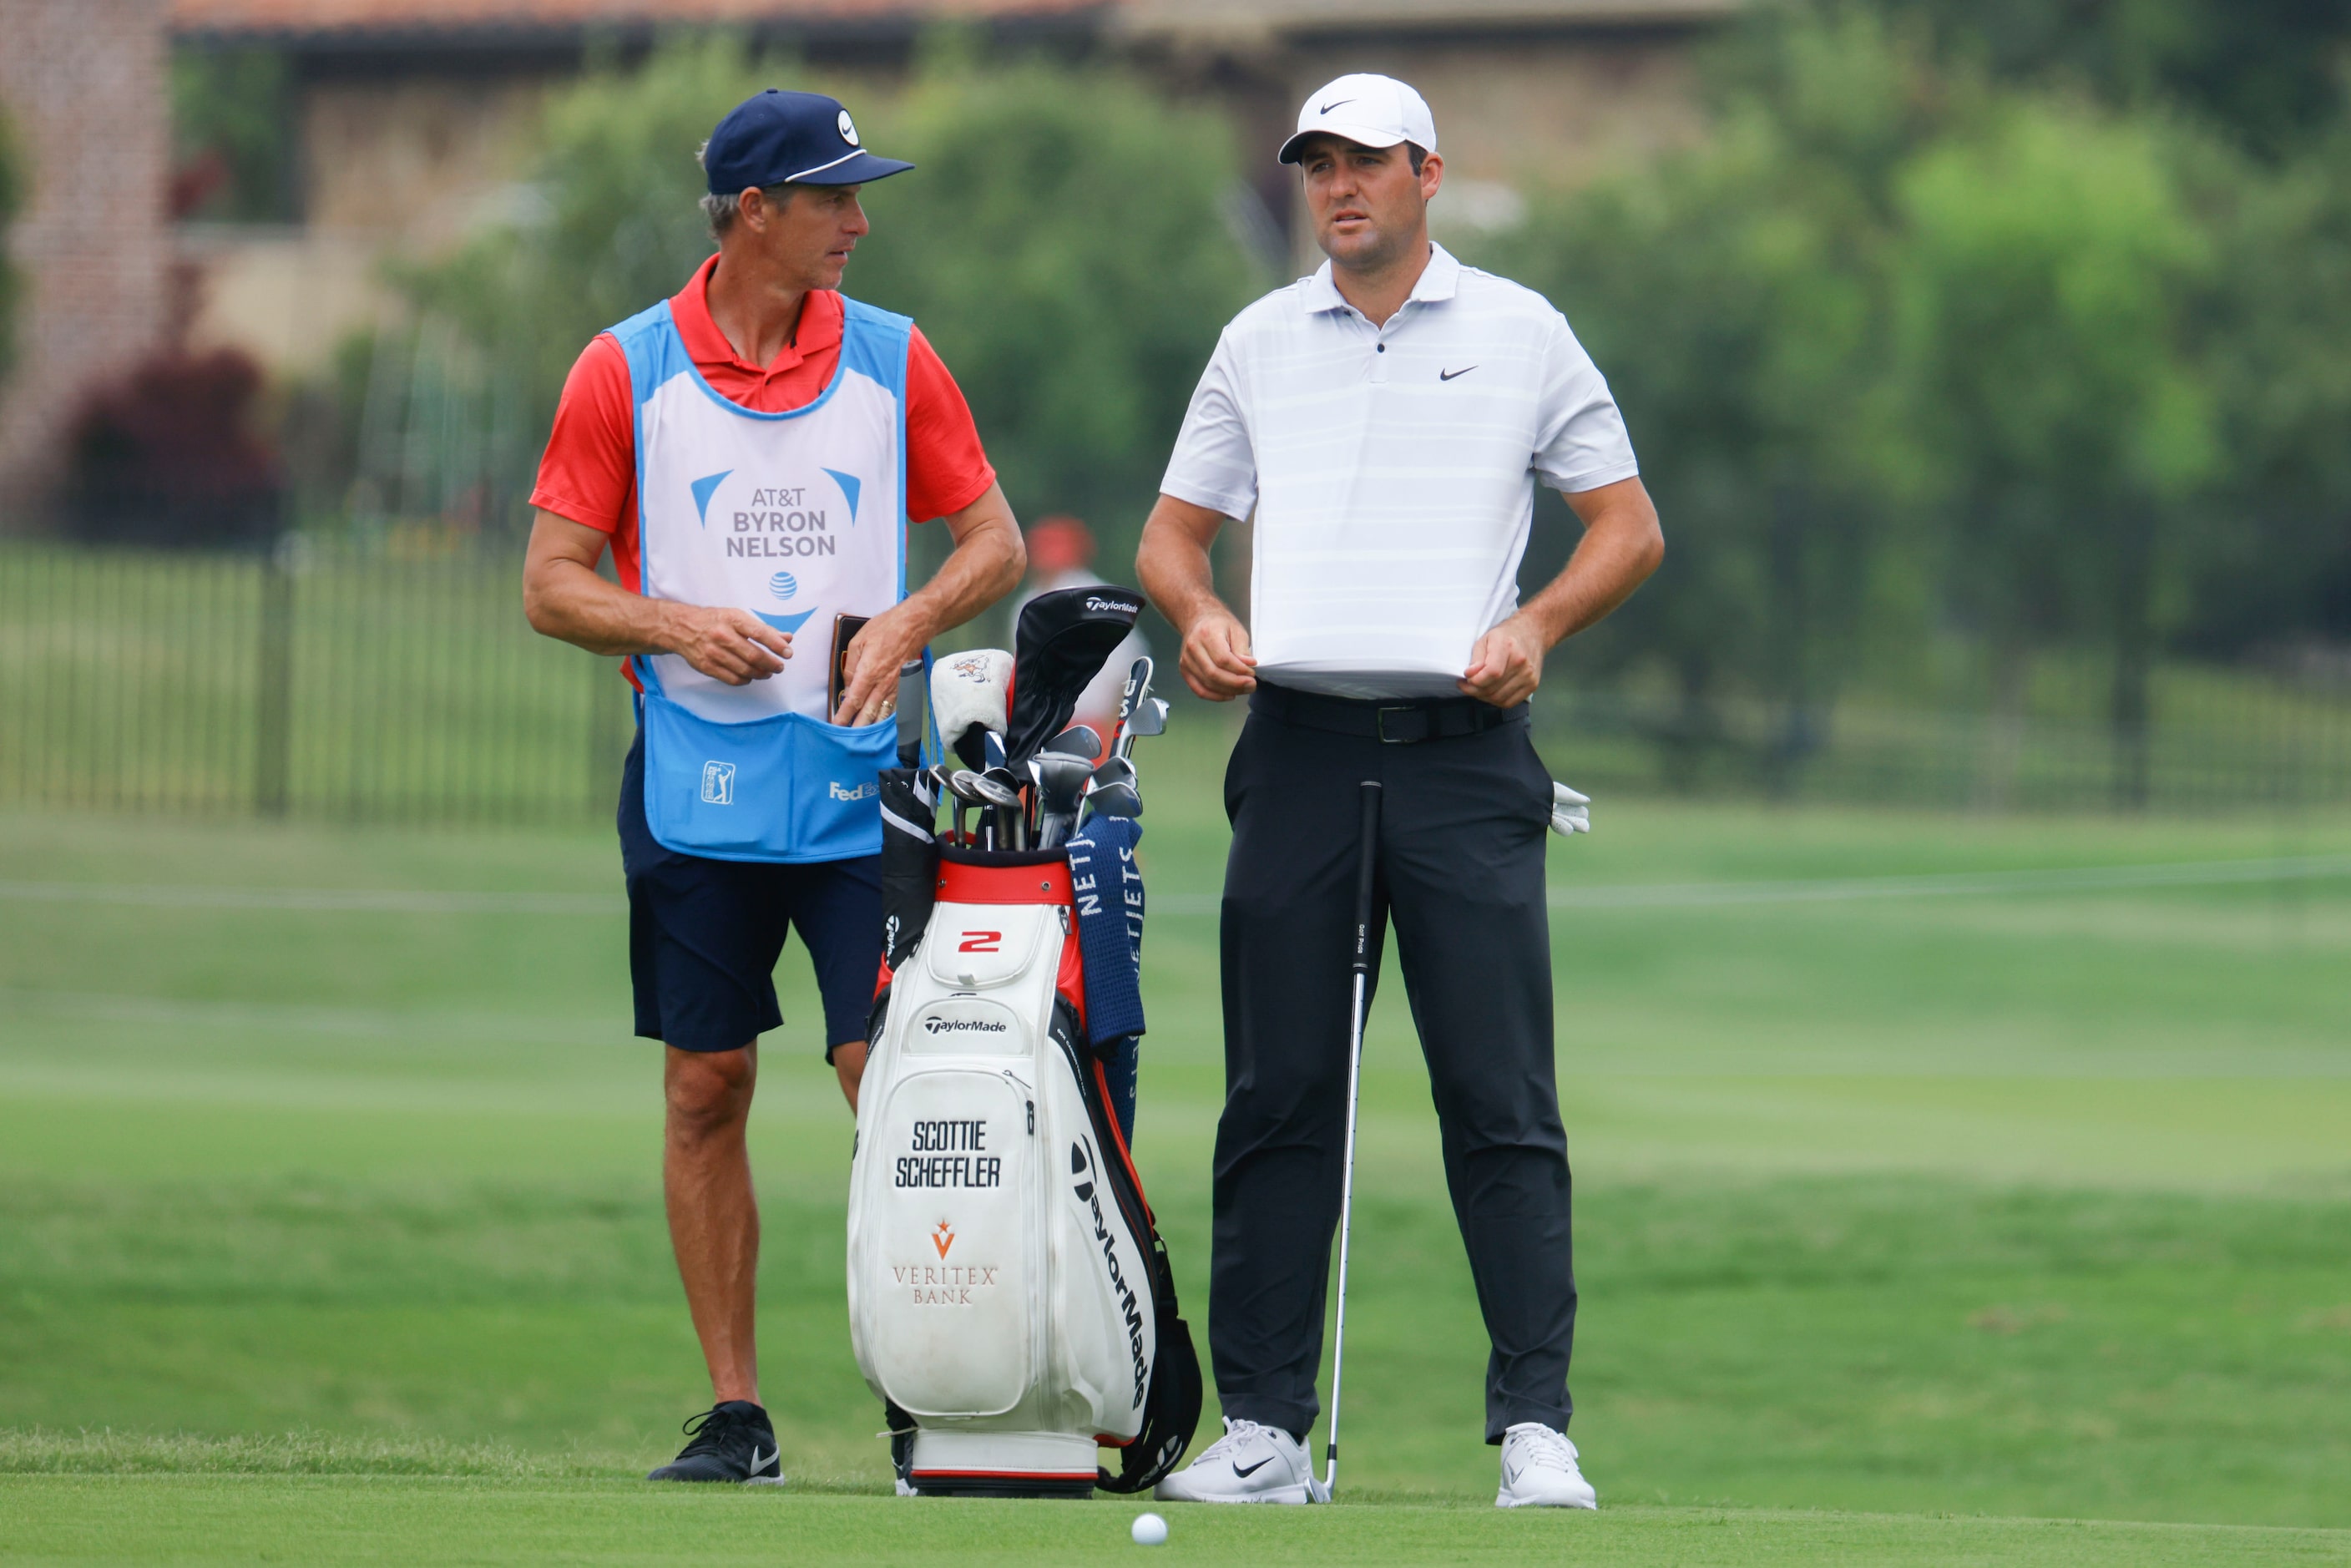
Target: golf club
point(1150, 718)
point(996, 787)
point(967, 698)
point(1079, 742)
point(969, 789)
point(1111, 789)
point(1366, 861)
point(1131, 697)
point(1061, 638)
point(1061, 776)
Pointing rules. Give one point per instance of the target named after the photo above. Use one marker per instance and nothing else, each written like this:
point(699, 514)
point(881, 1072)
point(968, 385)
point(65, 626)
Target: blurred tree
point(2276, 568)
point(11, 196)
point(233, 136)
point(2271, 71)
point(1734, 295)
point(2042, 287)
point(608, 225)
point(1061, 242)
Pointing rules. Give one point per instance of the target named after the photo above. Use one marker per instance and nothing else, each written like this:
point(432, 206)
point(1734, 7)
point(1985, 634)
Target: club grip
point(1366, 860)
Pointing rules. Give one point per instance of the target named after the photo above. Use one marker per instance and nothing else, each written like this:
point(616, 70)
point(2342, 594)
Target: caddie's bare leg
point(714, 1220)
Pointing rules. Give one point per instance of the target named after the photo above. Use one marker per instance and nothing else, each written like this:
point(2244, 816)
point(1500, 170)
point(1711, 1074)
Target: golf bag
point(1009, 1299)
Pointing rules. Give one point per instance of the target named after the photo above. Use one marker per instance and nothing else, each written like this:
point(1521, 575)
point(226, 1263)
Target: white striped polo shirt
point(1392, 468)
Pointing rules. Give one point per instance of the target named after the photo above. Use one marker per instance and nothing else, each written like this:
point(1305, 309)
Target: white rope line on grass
point(1635, 895)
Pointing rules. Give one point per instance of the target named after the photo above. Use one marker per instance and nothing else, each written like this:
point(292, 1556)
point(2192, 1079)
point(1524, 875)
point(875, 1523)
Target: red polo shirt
point(590, 471)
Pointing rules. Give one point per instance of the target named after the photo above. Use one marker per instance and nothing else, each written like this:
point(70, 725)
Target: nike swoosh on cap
point(1333, 104)
point(1253, 1469)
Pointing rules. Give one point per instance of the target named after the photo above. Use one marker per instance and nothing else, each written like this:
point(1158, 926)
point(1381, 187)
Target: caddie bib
point(797, 518)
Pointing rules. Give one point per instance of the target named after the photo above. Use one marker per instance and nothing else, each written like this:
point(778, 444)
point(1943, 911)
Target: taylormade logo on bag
point(1111, 606)
point(1089, 1194)
point(934, 1024)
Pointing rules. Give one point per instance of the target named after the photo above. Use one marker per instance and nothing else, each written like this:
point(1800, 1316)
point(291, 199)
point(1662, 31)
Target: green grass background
point(336, 1234)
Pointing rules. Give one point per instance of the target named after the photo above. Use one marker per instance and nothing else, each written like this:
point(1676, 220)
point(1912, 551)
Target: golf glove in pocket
point(1570, 813)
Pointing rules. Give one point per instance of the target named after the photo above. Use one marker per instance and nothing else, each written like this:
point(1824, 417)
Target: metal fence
point(385, 678)
point(389, 675)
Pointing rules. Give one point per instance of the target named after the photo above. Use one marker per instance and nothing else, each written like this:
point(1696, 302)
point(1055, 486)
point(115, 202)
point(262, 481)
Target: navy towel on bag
point(1108, 886)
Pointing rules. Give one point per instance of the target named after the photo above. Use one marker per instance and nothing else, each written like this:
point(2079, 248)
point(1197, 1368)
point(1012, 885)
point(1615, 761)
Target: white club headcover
point(969, 689)
point(1570, 813)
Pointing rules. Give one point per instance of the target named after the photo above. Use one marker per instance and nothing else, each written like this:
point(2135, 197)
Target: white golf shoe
point(1248, 1464)
point(1539, 1471)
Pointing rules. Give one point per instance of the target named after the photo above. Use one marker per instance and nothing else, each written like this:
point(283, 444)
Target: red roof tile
point(315, 17)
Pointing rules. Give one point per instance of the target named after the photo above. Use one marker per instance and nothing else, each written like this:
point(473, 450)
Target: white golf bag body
point(1006, 1290)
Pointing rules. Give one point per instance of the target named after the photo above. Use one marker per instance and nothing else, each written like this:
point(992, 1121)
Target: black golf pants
point(1460, 873)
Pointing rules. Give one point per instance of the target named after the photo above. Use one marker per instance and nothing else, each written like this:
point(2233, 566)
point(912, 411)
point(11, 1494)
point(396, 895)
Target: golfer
point(1386, 419)
point(750, 450)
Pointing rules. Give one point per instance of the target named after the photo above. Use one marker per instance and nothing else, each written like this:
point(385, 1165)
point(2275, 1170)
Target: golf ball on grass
point(1150, 1530)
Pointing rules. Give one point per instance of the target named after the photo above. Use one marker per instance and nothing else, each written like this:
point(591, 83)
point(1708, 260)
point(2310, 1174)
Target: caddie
point(1386, 420)
point(751, 450)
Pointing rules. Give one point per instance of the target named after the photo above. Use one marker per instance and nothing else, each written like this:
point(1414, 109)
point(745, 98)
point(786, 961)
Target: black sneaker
point(732, 1442)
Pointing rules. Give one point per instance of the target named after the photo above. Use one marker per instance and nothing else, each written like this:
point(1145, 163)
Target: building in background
point(84, 86)
point(398, 126)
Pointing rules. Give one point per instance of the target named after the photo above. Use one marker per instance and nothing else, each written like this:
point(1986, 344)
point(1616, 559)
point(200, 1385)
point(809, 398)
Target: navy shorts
point(705, 935)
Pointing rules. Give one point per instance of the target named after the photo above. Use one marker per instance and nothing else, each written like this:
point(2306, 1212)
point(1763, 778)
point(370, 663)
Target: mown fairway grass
point(334, 1234)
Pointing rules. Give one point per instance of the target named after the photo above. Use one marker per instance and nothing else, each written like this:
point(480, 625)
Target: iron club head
point(1111, 789)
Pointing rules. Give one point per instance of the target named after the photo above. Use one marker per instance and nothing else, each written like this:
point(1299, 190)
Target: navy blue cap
point(779, 138)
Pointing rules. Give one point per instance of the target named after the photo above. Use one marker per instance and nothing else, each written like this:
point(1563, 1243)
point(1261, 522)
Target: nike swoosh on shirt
point(1255, 1468)
point(1449, 375)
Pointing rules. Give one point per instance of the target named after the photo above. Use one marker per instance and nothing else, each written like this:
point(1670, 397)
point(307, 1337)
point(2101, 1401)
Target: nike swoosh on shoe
point(1253, 1469)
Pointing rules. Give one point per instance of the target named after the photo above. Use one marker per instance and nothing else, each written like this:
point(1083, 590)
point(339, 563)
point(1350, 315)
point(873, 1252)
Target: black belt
point(1394, 721)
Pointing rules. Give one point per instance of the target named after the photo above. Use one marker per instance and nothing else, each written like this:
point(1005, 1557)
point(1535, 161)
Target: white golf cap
point(1373, 110)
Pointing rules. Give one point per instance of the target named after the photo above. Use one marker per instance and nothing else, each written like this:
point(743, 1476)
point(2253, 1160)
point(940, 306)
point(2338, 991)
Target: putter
point(1366, 861)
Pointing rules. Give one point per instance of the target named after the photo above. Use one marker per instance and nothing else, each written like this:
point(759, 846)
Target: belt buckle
point(1380, 718)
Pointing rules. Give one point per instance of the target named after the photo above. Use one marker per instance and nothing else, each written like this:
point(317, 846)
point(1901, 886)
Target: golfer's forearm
point(1621, 547)
point(1173, 562)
